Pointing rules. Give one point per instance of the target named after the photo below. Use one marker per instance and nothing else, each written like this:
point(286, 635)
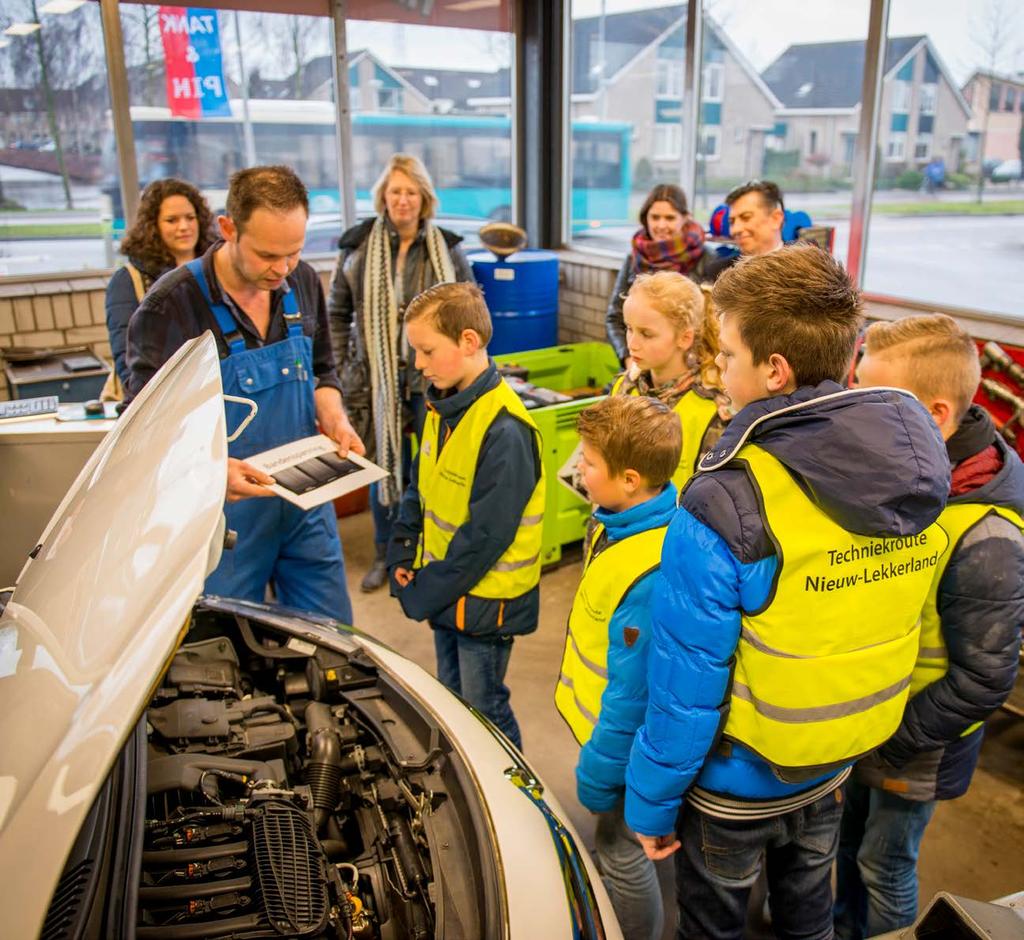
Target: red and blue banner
point(193, 62)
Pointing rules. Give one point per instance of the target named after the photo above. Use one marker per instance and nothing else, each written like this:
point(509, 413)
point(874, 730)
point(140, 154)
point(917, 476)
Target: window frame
point(904, 88)
point(668, 73)
point(927, 141)
point(896, 137)
point(673, 151)
point(710, 132)
point(712, 74)
point(928, 97)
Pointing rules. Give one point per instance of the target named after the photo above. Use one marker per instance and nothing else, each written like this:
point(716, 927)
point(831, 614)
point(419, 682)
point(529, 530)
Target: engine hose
point(154, 894)
point(323, 772)
point(408, 857)
point(198, 854)
point(204, 930)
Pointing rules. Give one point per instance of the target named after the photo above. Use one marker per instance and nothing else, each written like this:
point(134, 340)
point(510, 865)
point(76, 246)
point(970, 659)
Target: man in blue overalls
point(266, 309)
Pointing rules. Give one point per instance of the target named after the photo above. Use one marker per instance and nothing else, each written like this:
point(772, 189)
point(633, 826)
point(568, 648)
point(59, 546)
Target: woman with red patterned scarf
point(668, 240)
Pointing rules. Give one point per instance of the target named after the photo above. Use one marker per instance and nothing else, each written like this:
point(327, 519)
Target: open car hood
point(98, 611)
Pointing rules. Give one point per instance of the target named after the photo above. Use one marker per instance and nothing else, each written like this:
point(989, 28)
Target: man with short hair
point(266, 310)
point(756, 214)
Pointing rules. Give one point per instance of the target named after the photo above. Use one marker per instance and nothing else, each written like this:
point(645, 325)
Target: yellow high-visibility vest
point(696, 415)
point(932, 659)
point(446, 481)
point(607, 578)
point(823, 669)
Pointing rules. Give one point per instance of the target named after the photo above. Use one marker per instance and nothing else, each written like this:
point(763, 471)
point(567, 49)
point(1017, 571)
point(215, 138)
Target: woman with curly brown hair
point(174, 225)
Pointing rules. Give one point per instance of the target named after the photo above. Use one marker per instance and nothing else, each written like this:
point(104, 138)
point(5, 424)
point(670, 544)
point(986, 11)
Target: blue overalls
point(298, 550)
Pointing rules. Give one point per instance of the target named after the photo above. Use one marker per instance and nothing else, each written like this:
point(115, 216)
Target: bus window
point(486, 160)
point(309, 149)
point(596, 161)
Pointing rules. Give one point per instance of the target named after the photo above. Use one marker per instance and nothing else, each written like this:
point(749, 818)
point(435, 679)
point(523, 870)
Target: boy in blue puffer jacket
point(786, 614)
point(970, 635)
point(630, 450)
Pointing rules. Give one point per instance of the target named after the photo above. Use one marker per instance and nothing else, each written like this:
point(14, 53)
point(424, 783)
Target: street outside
point(972, 261)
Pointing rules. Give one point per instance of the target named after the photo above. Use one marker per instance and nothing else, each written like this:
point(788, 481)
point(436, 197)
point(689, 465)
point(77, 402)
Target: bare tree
point(991, 31)
point(58, 57)
point(294, 40)
point(141, 24)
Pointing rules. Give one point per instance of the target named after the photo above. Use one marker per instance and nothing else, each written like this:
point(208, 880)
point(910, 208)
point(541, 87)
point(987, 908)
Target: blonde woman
point(385, 261)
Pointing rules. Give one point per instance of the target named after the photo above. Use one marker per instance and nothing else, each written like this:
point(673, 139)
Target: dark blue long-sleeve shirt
point(507, 472)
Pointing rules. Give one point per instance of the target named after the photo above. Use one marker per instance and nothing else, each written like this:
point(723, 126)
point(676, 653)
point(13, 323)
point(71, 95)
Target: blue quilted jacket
point(601, 771)
point(874, 461)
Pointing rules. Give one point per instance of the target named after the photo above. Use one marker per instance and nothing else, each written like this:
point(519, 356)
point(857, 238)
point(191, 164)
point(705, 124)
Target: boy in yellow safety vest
point(630, 450)
point(970, 630)
point(786, 615)
point(465, 551)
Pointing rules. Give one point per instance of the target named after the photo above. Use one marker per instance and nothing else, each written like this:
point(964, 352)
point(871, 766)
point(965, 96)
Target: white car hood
point(98, 612)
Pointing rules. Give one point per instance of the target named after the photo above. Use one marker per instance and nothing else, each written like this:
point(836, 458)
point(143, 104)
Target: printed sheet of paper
point(310, 472)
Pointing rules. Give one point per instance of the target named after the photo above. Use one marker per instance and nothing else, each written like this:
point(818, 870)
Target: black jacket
point(345, 311)
point(506, 474)
point(981, 605)
point(121, 302)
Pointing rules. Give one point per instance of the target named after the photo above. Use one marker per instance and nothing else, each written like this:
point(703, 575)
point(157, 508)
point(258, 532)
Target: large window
point(946, 218)
point(54, 114)
point(626, 78)
point(214, 91)
point(444, 94)
point(780, 95)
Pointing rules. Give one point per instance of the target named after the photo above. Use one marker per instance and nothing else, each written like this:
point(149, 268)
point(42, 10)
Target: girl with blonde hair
point(672, 340)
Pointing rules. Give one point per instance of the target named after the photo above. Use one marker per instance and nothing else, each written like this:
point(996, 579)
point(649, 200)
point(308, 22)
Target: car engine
point(285, 796)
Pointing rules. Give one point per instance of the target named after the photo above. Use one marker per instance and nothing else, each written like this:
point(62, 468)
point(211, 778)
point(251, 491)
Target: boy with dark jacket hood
point(785, 618)
point(970, 638)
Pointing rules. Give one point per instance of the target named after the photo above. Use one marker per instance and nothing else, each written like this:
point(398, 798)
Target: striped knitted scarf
point(670, 254)
point(383, 335)
point(673, 390)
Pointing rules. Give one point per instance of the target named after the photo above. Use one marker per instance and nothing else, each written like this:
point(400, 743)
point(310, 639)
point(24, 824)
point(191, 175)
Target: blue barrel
point(522, 295)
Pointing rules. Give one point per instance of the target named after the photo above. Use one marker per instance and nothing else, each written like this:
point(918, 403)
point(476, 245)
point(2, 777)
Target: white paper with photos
point(309, 471)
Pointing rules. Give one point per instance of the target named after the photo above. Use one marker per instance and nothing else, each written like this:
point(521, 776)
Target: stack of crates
point(563, 369)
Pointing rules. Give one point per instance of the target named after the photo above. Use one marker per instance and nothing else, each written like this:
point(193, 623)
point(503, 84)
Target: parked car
point(1006, 171)
point(183, 768)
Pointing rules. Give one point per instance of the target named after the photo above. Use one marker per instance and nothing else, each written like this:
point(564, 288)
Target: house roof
point(828, 74)
point(626, 36)
point(629, 34)
point(458, 86)
point(1003, 77)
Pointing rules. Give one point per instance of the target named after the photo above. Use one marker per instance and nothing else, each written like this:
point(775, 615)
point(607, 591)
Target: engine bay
point(289, 792)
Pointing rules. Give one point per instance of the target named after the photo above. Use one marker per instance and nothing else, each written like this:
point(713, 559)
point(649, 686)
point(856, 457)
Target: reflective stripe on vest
point(823, 670)
point(607, 578)
point(932, 661)
point(446, 481)
point(696, 414)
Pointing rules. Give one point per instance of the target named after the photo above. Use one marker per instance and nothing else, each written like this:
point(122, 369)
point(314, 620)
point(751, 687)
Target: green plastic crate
point(562, 368)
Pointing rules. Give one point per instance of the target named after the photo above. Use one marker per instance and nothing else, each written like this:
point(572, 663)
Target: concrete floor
point(974, 846)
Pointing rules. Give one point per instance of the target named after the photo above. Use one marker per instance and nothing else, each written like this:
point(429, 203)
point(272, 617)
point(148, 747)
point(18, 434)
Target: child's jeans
point(474, 667)
point(720, 859)
point(629, 876)
point(876, 871)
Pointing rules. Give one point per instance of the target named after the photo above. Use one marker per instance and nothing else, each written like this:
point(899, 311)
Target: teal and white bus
point(468, 156)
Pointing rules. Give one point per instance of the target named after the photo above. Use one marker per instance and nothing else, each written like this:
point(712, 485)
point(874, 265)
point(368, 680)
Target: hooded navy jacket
point(875, 463)
point(981, 605)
